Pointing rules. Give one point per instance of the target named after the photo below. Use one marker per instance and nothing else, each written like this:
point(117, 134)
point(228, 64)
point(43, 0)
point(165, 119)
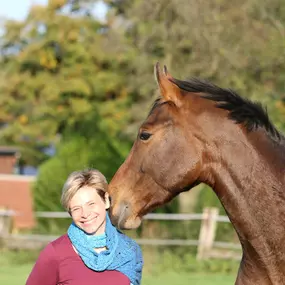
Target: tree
point(236, 44)
point(57, 66)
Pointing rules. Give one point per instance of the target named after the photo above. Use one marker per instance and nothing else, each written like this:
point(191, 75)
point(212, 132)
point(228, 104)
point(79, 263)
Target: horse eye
point(144, 136)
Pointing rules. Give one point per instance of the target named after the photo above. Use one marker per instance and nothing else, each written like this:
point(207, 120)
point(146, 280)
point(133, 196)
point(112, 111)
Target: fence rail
point(158, 217)
point(206, 245)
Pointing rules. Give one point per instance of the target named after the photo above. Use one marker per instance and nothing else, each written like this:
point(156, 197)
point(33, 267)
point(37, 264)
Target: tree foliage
point(236, 44)
point(58, 65)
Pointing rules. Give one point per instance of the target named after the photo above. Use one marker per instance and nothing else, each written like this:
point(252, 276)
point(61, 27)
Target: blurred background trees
point(57, 68)
point(81, 87)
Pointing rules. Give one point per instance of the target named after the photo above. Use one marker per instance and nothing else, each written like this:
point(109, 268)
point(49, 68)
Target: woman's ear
point(107, 201)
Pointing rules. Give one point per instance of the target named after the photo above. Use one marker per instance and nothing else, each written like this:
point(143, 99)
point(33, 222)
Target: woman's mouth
point(86, 223)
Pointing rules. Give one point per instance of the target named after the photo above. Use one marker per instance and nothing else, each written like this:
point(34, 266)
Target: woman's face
point(88, 210)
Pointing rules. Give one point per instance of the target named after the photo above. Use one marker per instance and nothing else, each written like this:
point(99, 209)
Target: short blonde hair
point(78, 179)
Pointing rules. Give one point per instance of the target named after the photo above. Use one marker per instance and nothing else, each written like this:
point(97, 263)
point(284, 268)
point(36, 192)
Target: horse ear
point(169, 91)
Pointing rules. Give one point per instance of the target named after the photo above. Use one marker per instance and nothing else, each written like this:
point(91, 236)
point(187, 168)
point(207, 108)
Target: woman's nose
point(85, 212)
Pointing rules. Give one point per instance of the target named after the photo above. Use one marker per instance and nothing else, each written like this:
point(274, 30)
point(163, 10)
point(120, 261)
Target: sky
point(18, 9)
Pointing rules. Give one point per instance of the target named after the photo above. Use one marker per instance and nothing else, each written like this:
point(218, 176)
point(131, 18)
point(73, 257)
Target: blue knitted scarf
point(122, 254)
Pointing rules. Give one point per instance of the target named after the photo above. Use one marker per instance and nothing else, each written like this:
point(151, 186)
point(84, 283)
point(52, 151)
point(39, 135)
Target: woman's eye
point(144, 136)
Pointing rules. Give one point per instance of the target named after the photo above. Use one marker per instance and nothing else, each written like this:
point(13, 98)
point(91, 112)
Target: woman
point(93, 251)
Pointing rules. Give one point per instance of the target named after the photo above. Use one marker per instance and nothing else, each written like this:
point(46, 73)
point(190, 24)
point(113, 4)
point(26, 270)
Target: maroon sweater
point(59, 264)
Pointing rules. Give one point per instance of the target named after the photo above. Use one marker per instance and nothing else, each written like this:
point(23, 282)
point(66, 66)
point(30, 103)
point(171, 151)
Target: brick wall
point(7, 163)
point(15, 194)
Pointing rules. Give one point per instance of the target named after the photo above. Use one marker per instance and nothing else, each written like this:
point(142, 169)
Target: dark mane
point(243, 111)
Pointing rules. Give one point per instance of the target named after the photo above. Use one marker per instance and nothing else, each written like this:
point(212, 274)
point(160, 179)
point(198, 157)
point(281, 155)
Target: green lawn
point(171, 278)
point(16, 275)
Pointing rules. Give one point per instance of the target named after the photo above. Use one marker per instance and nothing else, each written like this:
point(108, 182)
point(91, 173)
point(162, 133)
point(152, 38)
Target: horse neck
point(249, 181)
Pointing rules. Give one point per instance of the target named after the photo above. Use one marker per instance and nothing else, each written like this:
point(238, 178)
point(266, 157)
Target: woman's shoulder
point(57, 247)
point(58, 250)
point(53, 250)
point(62, 240)
point(62, 243)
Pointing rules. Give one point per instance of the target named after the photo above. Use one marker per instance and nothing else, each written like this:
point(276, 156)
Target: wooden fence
point(207, 246)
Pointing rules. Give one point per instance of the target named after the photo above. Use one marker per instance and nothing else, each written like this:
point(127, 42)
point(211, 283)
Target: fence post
point(5, 221)
point(207, 232)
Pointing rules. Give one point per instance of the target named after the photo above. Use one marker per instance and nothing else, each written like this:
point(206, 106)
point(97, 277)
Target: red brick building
point(15, 190)
point(8, 159)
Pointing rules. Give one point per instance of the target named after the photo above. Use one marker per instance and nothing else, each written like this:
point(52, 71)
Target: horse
point(198, 132)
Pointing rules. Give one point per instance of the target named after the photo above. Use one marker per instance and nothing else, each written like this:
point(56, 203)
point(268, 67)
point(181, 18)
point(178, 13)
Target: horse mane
point(241, 110)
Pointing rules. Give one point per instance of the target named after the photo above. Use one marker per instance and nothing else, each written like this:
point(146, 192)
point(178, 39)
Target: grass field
point(164, 269)
point(171, 278)
point(16, 275)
